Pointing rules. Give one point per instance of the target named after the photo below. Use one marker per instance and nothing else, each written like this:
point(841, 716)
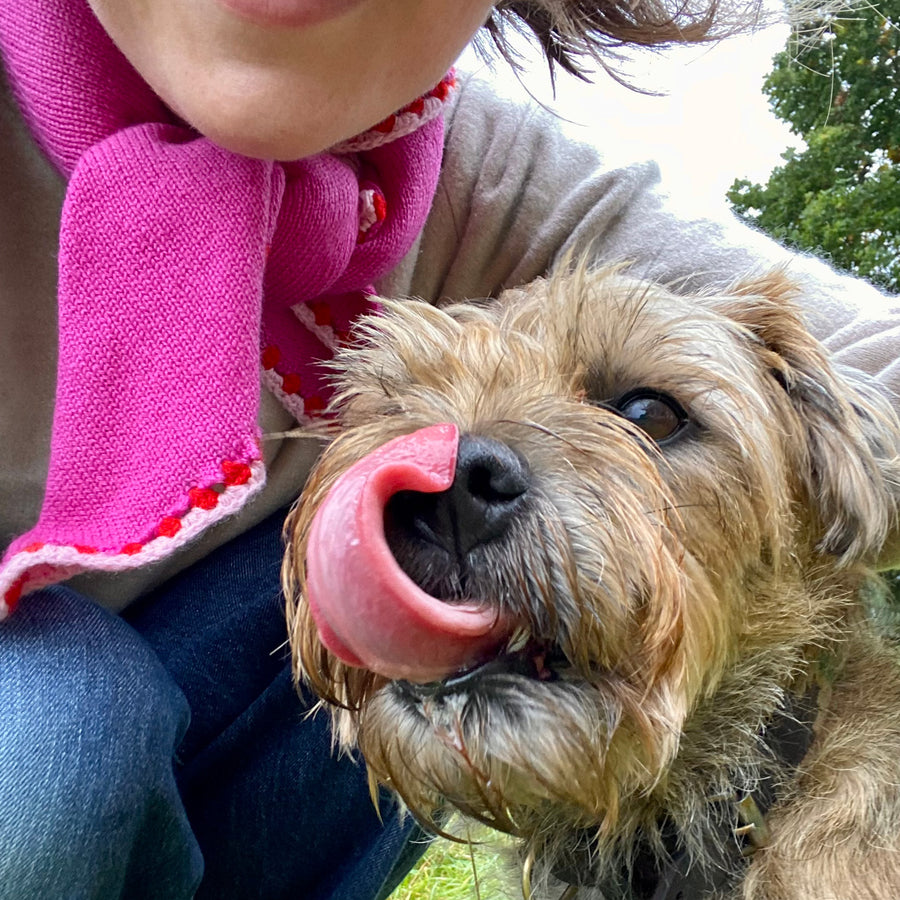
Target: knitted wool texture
point(182, 268)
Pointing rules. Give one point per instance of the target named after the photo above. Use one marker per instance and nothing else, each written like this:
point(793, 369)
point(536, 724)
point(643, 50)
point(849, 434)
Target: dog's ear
point(851, 466)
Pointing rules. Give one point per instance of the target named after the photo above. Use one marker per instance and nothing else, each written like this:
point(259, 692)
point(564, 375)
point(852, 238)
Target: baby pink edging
point(30, 570)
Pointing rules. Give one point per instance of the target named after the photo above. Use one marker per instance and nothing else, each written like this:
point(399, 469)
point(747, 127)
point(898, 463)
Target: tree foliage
point(836, 85)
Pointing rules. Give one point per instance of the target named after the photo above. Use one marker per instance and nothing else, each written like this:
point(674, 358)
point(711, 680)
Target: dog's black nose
point(489, 489)
point(490, 483)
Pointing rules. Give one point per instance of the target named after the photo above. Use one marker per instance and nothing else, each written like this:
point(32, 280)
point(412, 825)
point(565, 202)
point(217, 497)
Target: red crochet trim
point(404, 121)
point(14, 593)
point(372, 211)
point(440, 92)
point(234, 473)
point(321, 311)
point(291, 383)
point(47, 567)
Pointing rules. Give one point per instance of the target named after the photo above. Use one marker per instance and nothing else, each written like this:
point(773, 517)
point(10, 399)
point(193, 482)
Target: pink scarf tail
point(124, 425)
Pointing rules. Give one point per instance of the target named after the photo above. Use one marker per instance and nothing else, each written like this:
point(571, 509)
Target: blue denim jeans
point(166, 754)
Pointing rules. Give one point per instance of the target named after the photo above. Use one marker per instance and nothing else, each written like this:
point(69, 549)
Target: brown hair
point(570, 31)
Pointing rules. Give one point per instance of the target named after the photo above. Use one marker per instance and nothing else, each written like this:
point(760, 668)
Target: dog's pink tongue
point(369, 612)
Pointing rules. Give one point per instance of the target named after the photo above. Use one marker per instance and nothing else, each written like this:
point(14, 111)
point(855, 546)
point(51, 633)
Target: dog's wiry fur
point(690, 587)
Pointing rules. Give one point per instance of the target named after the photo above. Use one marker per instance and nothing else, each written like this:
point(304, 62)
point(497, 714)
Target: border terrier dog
point(586, 563)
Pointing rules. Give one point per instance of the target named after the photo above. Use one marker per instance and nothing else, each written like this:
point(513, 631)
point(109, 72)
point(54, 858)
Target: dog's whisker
point(677, 507)
point(543, 429)
point(473, 864)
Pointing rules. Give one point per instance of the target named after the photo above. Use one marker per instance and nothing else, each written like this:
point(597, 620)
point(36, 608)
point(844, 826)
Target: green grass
point(451, 871)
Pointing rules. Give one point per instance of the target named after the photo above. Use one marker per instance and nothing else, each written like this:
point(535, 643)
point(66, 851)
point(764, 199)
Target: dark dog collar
point(740, 828)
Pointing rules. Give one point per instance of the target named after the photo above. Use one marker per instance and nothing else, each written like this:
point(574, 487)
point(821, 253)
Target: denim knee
point(89, 723)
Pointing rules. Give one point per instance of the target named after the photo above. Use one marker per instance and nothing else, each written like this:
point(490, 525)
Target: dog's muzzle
point(423, 504)
point(434, 535)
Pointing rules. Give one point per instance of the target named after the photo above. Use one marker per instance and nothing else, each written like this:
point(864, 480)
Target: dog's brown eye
point(659, 415)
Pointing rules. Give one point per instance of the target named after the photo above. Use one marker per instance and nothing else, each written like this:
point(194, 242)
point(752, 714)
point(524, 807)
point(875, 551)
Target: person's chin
point(262, 119)
point(266, 143)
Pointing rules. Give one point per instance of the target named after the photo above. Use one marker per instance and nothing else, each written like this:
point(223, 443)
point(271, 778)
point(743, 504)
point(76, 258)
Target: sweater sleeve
point(515, 193)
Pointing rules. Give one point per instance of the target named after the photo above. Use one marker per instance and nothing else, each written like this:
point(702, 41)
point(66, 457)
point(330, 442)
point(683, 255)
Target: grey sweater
point(514, 194)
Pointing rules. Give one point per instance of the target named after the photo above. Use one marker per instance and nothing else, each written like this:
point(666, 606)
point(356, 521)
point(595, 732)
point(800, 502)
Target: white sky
point(712, 125)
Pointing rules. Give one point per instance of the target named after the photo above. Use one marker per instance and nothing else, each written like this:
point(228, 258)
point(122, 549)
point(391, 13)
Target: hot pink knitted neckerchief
point(183, 268)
